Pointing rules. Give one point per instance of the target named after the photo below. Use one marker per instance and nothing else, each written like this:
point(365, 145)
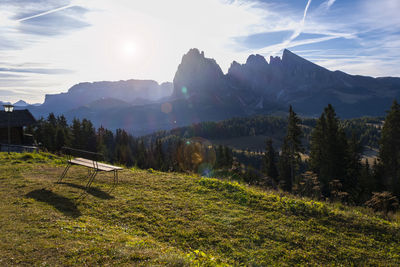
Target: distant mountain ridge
point(308, 87)
point(202, 92)
point(131, 92)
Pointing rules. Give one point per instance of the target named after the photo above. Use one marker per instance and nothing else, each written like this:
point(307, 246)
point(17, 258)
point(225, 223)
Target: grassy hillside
point(156, 218)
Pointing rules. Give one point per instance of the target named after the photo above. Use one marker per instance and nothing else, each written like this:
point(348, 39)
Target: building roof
point(18, 118)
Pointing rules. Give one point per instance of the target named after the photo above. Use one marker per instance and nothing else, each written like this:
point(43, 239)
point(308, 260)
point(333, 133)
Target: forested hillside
point(319, 158)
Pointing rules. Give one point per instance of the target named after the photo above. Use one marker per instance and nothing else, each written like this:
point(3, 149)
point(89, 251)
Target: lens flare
point(197, 155)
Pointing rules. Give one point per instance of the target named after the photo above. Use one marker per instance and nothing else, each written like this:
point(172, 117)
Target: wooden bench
point(90, 160)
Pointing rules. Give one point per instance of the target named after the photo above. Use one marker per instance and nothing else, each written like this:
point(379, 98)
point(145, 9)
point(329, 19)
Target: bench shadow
point(96, 192)
point(61, 203)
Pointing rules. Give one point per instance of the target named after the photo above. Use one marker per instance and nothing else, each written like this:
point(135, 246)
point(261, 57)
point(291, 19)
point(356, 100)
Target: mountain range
point(202, 92)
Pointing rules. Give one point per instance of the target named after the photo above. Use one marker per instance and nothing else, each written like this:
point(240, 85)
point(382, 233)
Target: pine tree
point(352, 179)
point(270, 168)
point(228, 157)
point(366, 182)
point(293, 143)
point(60, 139)
point(285, 177)
point(389, 153)
point(220, 157)
point(328, 155)
point(77, 141)
point(88, 135)
point(159, 155)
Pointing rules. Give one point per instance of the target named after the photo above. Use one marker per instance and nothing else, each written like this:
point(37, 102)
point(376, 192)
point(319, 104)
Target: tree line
point(169, 153)
point(334, 170)
point(326, 166)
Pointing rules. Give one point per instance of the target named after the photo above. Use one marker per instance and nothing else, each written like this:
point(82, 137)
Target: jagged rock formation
point(198, 76)
point(201, 92)
point(309, 87)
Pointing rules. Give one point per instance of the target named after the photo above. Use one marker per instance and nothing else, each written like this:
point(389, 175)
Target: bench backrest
point(72, 152)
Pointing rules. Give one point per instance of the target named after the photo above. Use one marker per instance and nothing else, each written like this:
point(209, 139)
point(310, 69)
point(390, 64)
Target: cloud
point(297, 29)
point(44, 13)
point(53, 22)
point(36, 70)
point(260, 40)
point(10, 75)
point(325, 6)
point(47, 18)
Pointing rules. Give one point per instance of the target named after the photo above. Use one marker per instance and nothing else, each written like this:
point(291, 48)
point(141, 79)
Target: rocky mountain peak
point(197, 73)
point(273, 61)
point(256, 60)
point(290, 59)
point(21, 103)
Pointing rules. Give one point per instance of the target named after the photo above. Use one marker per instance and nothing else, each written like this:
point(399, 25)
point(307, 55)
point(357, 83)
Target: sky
point(46, 46)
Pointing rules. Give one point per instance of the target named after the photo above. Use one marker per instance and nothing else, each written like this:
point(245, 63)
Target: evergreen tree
point(228, 157)
point(123, 151)
point(88, 135)
point(284, 165)
point(49, 133)
point(293, 143)
point(366, 183)
point(60, 139)
point(270, 168)
point(159, 155)
point(220, 157)
point(352, 179)
point(76, 131)
point(389, 153)
point(141, 155)
point(328, 153)
point(62, 122)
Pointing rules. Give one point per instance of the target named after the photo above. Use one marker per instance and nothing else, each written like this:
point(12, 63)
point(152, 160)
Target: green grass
point(154, 218)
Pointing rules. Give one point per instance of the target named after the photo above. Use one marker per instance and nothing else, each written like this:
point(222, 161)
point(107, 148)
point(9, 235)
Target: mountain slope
point(155, 218)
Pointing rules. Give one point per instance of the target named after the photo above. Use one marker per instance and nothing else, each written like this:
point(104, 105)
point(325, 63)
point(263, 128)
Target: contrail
point(304, 16)
point(301, 26)
point(296, 32)
point(45, 13)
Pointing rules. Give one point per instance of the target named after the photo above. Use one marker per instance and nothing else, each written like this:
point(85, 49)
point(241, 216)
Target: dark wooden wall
point(16, 135)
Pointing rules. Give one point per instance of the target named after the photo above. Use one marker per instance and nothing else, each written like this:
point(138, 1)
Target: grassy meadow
point(156, 219)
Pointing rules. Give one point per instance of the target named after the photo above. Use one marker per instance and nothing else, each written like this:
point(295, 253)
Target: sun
point(128, 50)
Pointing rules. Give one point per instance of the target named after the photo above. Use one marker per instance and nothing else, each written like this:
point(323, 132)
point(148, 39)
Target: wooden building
point(18, 120)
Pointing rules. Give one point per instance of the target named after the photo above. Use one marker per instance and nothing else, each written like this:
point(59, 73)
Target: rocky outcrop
point(198, 76)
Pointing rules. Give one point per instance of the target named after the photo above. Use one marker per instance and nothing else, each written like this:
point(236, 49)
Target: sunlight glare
point(128, 50)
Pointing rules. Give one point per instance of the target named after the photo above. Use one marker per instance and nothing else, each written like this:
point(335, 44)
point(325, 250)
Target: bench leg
point(91, 178)
point(64, 173)
point(115, 182)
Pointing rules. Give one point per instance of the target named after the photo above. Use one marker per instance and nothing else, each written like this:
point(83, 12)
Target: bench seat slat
point(110, 166)
point(83, 160)
point(92, 164)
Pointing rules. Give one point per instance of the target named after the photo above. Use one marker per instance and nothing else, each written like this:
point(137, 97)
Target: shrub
point(383, 201)
point(309, 186)
point(335, 187)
